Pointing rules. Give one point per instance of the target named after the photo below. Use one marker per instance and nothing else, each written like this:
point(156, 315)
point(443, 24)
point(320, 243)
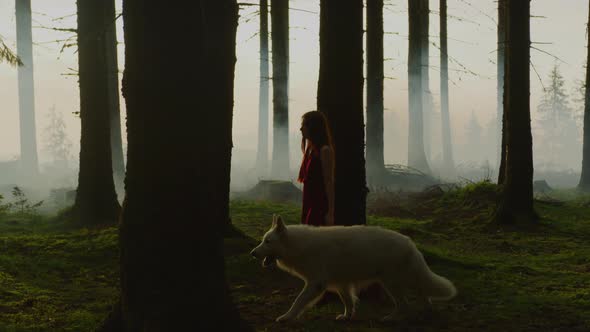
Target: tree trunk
point(584, 184)
point(374, 130)
point(448, 163)
point(262, 153)
point(427, 102)
point(26, 90)
point(416, 155)
point(279, 16)
point(113, 82)
point(96, 200)
point(500, 129)
point(340, 97)
point(516, 205)
point(179, 125)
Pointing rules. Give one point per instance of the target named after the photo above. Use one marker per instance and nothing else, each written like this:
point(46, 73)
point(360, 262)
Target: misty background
point(559, 41)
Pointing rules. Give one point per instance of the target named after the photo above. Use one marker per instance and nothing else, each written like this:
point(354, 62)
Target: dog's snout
point(253, 253)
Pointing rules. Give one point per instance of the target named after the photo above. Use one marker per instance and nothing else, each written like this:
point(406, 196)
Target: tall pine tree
point(374, 130)
point(279, 17)
point(163, 249)
point(26, 89)
point(416, 155)
point(340, 97)
point(262, 150)
point(584, 183)
point(516, 204)
point(96, 200)
point(447, 147)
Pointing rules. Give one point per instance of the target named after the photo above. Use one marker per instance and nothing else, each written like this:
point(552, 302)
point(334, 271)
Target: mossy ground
point(55, 277)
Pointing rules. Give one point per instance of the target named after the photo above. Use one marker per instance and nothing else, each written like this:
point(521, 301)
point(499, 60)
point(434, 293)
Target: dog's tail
point(434, 286)
point(440, 288)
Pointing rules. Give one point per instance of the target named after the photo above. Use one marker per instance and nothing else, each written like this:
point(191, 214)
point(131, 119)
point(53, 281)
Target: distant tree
point(516, 204)
point(584, 183)
point(110, 40)
point(175, 208)
point(500, 63)
point(26, 89)
point(473, 138)
point(340, 97)
point(557, 122)
point(262, 151)
point(56, 141)
point(448, 163)
point(96, 200)
point(416, 155)
point(374, 130)
point(279, 16)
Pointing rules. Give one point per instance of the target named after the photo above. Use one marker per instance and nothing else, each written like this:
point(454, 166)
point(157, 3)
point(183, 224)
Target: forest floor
point(57, 277)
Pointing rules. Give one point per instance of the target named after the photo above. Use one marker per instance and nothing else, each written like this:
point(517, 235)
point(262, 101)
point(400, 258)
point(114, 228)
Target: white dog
point(344, 259)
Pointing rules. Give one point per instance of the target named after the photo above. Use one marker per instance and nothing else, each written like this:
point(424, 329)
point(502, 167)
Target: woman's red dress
point(315, 200)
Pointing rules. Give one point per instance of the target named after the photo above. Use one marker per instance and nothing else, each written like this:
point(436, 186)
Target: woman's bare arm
point(327, 158)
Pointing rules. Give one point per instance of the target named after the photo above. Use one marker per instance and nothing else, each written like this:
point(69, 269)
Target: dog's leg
point(349, 303)
point(427, 309)
point(399, 301)
point(311, 292)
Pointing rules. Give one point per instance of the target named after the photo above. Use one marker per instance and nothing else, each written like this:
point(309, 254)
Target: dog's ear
point(280, 224)
point(274, 220)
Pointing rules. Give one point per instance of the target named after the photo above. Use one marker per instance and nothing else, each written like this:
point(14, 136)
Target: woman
point(317, 170)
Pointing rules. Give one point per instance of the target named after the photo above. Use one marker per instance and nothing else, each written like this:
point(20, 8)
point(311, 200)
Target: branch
point(467, 70)
point(8, 56)
point(72, 30)
point(538, 76)
point(480, 11)
point(551, 55)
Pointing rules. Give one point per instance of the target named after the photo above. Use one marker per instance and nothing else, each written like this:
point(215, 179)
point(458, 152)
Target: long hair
point(319, 133)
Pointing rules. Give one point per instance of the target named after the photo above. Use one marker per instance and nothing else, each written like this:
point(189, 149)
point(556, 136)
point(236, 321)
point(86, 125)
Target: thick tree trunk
point(113, 81)
point(340, 97)
point(584, 184)
point(179, 125)
point(262, 152)
point(279, 16)
point(427, 102)
point(500, 129)
point(416, 155)
point(374, 130)
point(96, 200)
point(516, 205)
point(448, 163)
point(26, 90)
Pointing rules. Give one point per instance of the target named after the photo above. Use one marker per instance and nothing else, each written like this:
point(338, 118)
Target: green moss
point(57, 277)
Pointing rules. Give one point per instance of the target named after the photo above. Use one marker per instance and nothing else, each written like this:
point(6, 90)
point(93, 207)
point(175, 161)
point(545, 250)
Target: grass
point(57, 278)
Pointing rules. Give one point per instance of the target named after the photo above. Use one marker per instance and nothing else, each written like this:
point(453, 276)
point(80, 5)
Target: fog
point(558, 35)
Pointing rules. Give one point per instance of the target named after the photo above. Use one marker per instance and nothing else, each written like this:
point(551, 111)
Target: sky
point(557, 28)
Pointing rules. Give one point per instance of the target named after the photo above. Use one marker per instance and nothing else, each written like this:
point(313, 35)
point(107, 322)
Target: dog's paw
point(284, 318)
